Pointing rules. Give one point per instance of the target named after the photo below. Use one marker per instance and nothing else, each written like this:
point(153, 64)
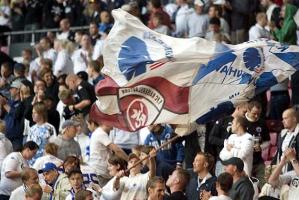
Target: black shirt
point(179, 195)
point(86, 91)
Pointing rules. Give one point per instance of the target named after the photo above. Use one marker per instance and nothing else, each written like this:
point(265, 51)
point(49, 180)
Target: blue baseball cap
point(47, 167)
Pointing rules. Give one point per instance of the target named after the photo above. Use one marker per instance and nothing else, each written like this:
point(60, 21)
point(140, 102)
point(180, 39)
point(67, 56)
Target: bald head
point(289, 119)
point(71, 81)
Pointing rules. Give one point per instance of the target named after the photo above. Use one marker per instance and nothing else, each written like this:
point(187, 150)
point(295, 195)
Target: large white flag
point(153, 78)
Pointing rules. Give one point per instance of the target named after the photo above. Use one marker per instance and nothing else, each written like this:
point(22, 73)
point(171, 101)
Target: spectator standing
point(105, 25)
point(6, 79)
point(94, 71)
point(239, 144)
point(65, 141)
point(124, 139)
point(215, 33)
point(197, 22)
point(53, 12)
point(41, 131)
point(155, 7)
point(216, 11)
point(223, 186)
point(242, 187)
point(177, 183)
point(201, 179)
point(64, 63)
point(66, 33)
point(12, 168)
point(159, 27)
point(5, 144)
point(259, 30)
point(94, 33)
point(180, 17)
point(156, 188)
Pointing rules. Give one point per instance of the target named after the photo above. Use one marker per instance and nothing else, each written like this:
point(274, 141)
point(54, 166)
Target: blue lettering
point(240, 72)
point(224, 70)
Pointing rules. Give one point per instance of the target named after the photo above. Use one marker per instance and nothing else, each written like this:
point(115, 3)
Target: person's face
point(264, 3)
point(39, 85)
point(199, 163)
point(76, 181)
point(26, 55)
point(14, 92)
point(72, 131)
point(71, 165)
point(36, 117)
point(28, 154)
point(143, 155)
point(254, 113)
point(214, 28)
point(172, 179)
point(156, 21)
point(198, 9)
point(235, 126)
point(64, 25)
point(154, 128)
point(85, 42)
point(5, 72)
point(288, 120)
point(132, 162)
point(282, 11)
point(33, 179)
point(113, 169)
point(50, 176)
point(105, 17)
point(230, 169)
point(48, 78)
point(78, 38)
point(264, 21)
point(157, 193)
point(93, 29)
point(212, 12)
point(44, 44)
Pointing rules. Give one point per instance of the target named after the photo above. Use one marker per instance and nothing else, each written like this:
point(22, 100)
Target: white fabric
point(258, 32)
point(108, 193)
point(89, 175)
point(63, 36)
point(270, 11)
point(50, 54)
point(197, 25)
point(292, 180)
point(162, 29)
point(181, 18)
point(99, 152)
point(80, 58)
point(98, 49)
point(221, 197)
point(134, 187)
point(18, 193)
point(13, 162)
point(5, 148)
point(84, 142)
point(63, 63)
point(41, 161)
point(150, 70)
point(243, 148)
point(60, 107)
point(124, 139)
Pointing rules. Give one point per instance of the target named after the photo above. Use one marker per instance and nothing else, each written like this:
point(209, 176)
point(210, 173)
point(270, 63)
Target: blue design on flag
point(252, 58)
point(133, 58)
point(292, 58)
point(266, 80)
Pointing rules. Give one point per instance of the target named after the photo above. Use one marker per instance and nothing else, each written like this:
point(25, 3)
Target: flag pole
point(147, 157)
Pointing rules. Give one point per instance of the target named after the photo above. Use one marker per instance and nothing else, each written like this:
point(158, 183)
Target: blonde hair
point(2, 126)
point(66, 44)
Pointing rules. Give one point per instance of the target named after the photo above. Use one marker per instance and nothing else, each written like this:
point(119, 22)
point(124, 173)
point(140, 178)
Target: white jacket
point(243, 148)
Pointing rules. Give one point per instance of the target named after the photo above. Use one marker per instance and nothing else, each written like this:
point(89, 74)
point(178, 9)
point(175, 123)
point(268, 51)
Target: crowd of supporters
point(51, 149)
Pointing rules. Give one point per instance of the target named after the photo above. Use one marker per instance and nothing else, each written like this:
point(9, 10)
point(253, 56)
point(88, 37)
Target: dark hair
point(215, 21)
point(156, 3)
point(73, 172)
point(26, 172)
point(115, 160)
point(153, 181)
point(29, 85)
point(218, 9)
point(72, 159)
point(253, 104)
point(30, 145)
point(83, 75)
point(225, 180)
point(96, 65)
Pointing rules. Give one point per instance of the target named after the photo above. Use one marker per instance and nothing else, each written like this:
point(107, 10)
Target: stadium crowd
point(51, 149)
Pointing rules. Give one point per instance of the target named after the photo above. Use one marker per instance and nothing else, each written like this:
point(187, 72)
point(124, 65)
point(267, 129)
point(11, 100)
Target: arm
point(12, 174)
point(225, 154)
point(82, 104)
point(152, 163)
point(116, 184)
point(274, 177)
point(246, 149)
point(180, 152)
point(118, 151)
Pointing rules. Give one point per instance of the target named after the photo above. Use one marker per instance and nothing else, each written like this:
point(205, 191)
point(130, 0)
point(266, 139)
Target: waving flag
point(153, 78)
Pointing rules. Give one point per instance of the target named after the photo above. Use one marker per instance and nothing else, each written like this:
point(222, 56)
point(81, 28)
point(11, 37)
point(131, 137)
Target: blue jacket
point(172, 153)
point(13, 121)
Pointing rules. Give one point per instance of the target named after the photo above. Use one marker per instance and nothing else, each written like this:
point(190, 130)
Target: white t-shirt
point(243, 148)
point(80, 58)
point(5, 148)
point(13, 162)
point(134, 187)
point(18, 193)
point(89, 175)
point(98, 49)
point(60, 107)
point(221, 197)
point(108, 193)
point(292, 180)
point(41, 161)
point(99, 152)
point(84, 142)
point(63, 64)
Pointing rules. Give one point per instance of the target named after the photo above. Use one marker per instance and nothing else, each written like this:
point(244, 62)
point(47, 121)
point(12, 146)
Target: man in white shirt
point(5, 144)
point(81, 56)
point(101, 148)
point(259, 31)
point(65, 34)
point(181, 16)
point(134, 186)
point(12, 168)
point(198, 22)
